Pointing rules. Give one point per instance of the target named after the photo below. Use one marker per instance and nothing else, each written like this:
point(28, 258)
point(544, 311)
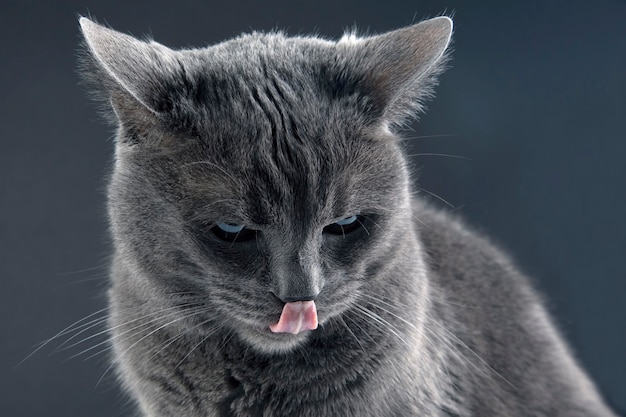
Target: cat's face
point(249, 229)
point(257, 174)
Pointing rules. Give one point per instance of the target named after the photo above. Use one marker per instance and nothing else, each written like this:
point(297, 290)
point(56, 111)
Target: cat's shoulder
point(446, 231)
point(466, 259)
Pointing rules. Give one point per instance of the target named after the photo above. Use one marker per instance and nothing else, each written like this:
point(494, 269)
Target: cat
point(271, 257)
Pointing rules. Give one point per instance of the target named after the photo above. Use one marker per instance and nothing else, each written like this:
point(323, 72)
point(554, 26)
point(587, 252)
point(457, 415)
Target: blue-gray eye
point(230, 228)
point(344, 226)
point(347, 221)
point(233, 233)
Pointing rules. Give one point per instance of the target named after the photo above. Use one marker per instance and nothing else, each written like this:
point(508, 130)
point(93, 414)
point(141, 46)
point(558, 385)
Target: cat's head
point(258, 184)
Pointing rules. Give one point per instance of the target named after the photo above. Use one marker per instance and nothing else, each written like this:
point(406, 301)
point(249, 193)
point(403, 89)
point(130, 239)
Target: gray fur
point(418, 315)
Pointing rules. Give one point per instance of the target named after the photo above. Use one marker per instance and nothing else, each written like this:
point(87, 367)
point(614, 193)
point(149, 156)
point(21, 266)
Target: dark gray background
point(535, 99)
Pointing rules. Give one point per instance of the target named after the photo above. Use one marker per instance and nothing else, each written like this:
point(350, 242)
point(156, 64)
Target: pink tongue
point(296, 317)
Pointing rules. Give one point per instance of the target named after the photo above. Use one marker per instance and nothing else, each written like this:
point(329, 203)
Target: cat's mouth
point(293, 327)
point(296, 317)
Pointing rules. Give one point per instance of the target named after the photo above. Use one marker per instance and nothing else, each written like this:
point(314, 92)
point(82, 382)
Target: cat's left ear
point(398, 70)
point(131, 71)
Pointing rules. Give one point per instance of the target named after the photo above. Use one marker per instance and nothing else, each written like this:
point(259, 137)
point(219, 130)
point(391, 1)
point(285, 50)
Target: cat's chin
point(265, 341)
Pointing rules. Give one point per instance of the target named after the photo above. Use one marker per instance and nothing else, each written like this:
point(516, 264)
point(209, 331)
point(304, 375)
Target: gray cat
point(270, 258)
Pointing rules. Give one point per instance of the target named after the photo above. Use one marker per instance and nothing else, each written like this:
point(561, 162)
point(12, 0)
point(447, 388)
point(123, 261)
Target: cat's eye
point(233, 233)
point(344, 226)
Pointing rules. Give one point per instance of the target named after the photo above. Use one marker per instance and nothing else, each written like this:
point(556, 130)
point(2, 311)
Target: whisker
point(413, 216)
point(484, 362)
point(60, 334)
point(445, 155)
point(200, 215)
point(413, 326)
point(198, 344)
point(214, 165)
point(436, 196)
point(353, 321)
point(185, 332)
point(81, 271)
point(371, 220)
point(342, 321)
point(449, 333)
point(145, 337)
point(110, 337)
point(102, 277)
point(92, 324)
point(363, 226)
point(382, 322)
point(143, 317)
point(407, 138)
point(98, 318)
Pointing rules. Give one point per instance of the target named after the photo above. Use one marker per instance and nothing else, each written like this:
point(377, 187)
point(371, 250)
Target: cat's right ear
point(398, 70)
point(130, 73)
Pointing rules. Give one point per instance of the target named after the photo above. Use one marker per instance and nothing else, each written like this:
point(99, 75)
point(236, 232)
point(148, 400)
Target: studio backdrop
point(525, 139)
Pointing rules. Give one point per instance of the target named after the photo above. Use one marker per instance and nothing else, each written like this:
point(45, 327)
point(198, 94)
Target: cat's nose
point(296, 279)
point(294, 298)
